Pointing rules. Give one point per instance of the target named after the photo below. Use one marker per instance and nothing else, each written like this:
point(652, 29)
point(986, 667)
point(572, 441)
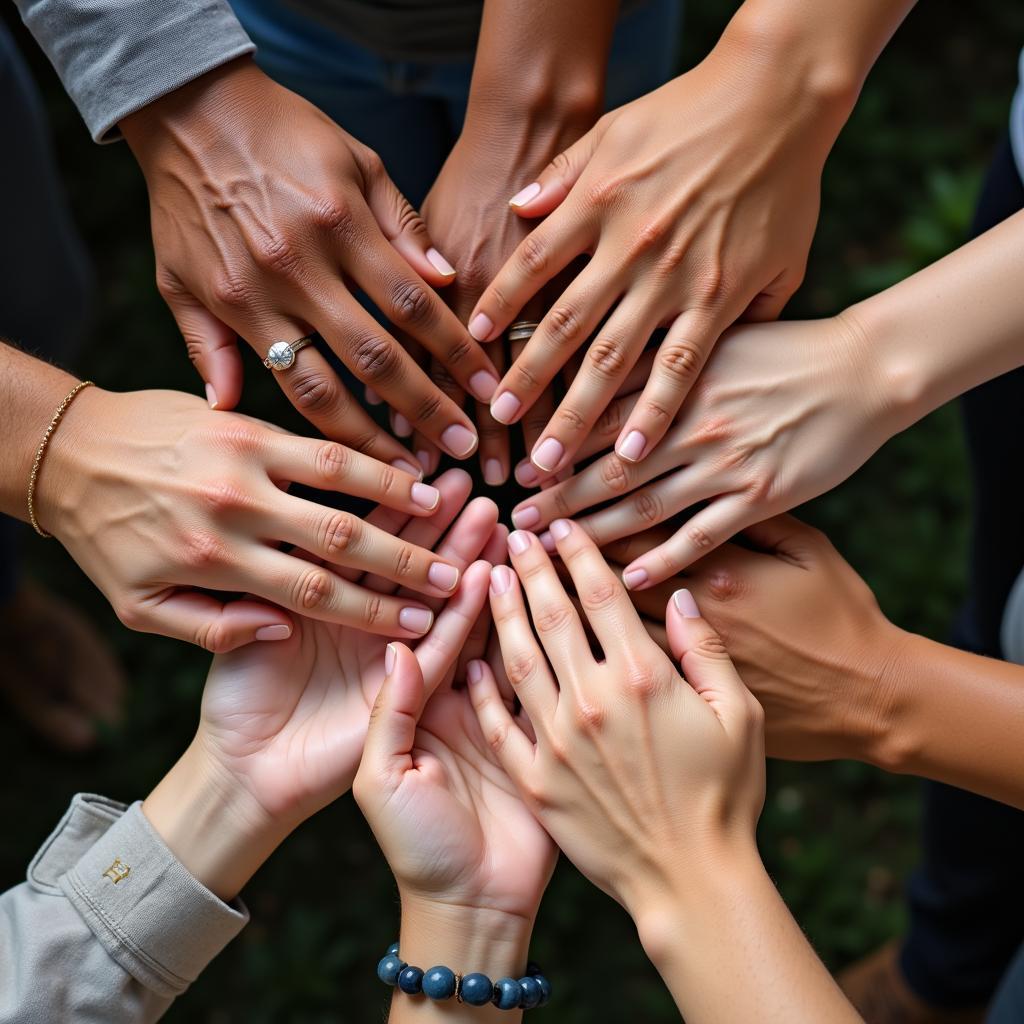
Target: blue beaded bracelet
point(476, 989)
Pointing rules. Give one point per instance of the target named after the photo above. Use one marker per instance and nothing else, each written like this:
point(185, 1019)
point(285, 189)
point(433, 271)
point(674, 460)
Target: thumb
point(784, 536)
point(212, 347)
point(705, 662)
point(396, 713)
point(555, 182)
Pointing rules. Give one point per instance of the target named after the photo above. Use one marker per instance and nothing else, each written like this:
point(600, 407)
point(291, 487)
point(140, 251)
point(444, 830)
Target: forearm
point(726, 911)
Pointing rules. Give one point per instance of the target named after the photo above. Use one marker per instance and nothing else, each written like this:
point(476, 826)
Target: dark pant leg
point(1008, 1005)
point(967, 897)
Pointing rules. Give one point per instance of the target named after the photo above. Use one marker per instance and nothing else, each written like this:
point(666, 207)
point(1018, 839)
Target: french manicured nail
point(518, 542)
point(416, 620)
point(278, 632)
point(525, 518)
point(634, 578)
point(523, 197)
point(547, 542)
point(445, 577)
point(403, 428)
point(474, 672)
point(501, 579)
point(483, 385)
point(505, 407)
point(494, 472)
point(459, 440)
point(685, 604)
point(560, 529)
point(372, 397)
point(408, 467)
point(632, 448)
point(439, 263)
point(480, 326)
point(211, 396)
point(390, 654)
point(548, 454)
point(426, 496)
point(527, 475)
point(423, 457)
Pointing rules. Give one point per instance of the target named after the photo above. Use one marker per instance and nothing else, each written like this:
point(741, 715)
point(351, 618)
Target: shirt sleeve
point(109, 927)
point(116, 56)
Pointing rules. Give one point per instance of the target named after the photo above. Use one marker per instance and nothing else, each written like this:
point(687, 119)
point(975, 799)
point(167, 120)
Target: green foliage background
point(839, 838)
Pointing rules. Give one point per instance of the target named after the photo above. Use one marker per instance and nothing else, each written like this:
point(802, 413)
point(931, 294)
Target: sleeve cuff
point(149, 913)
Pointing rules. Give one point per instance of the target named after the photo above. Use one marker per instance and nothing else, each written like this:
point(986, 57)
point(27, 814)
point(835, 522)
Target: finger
point(510, 744)
point(496, 549)
point(555, 621)
point(495, 449)
point(706, 664)
point(786, 537)
point(609, 610)
point(555, 182)
point(623, 551)
point(681, 357)
point(769, 303)
point(216, 626)
point(475, 646)
point(387, 752)
point(329, 466)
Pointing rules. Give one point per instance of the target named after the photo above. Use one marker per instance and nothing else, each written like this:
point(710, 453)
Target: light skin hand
point(266, 218)
point(161, 500)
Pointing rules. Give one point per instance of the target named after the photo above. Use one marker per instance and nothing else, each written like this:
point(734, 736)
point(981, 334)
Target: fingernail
point(474, 672)
point(634, 578)
point(211, 396)
point(632, 448)
point(526, 474)
point(408, 467)
point(390, 654)
point(416, 620)
point(444, 577)
point(372, 397)
point(494, 472)
point(423, 457)
point(548, 454)
point(480, 326)
point(560, 529)
point(685, 604)
point(501, 579)
point(483, 385)
point(402, 427)
point(547, 542)
point(459, 440)
point(439, 263)
point(526, 517)
point(505, 407)
point(518, 542)
point(426, 496)
point(273, 632)
point(528, 193)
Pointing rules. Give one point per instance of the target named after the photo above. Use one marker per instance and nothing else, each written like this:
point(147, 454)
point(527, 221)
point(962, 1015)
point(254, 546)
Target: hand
point(639, 775)
point(282, 726)
point(161, 500)
point(691, 221)
point(782, 413)
point(266, 216)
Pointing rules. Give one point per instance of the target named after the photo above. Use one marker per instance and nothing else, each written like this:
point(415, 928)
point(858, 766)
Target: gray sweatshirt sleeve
point(109, 927)
point(115, 56)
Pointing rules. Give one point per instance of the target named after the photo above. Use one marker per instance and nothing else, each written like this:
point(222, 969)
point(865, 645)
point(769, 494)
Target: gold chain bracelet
point(61, 409)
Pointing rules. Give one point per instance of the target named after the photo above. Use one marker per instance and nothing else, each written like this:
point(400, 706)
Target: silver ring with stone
point(523, 330)
point(281, 355)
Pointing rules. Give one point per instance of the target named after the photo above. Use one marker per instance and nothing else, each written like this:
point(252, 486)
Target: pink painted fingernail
point(444, 577)
point(632, 448)
point(474, 672)
point(459, 440)
point(560, 529)
point(408, 467)
point(480, 326)
point(547, 542)
point(548, 454)
point(439, 263)
point(634, 578)
point(523, 197)
point(390, 654)
point(483, 385)
point(685, 604)
point(501, 579)
point(425, 496)
point(278, 632)
point(402, 427)
point(372, 397)
point(505, 407)
point(518, 541)
point(416, 620)
point(423, 458)
point(526, 517)
point(527, 475)
point(211, 396)
point(494, 472)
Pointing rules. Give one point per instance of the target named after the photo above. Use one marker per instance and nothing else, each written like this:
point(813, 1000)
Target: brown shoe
point(881, 995)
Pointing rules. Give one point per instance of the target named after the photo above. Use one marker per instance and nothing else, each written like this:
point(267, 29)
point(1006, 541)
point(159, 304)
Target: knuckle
point(724, 585)
point(648, 236)
point(497, 736)
point(496, 296)
point(411, 305)
point(333, 215)
point(405, 562)
point(520, 668)
point(214, 637)
point(534, 255)
point(710, 286)
point(571, 419)
point(131, 616)
point(611, 420)
point(428, 408)
point(551, 619)
point(337, 533)
point(560, 752)
point(648, 507)
point(615, 474)
point(373, 164)
point(525, 378)
point(535, 791)
point(277, 255)
point(699, 538)
point(222, 497)
point(561, 503)
point(333, 461)
point(562, 166)
point(364, 442)
point(203, 550)
point(373, 610)
point(240, 438)
point(231, 290)
point(603, 193)
point(312, 589)
point(314, 390)
point(606, 359)
point(599, 595)
point(641, 680)
point(564, 326)
point(671, 258)
point(711, 646)
point(681, 360)
point(655, 411)
point(376, 360)
point(589, 716)
point(458, 353)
